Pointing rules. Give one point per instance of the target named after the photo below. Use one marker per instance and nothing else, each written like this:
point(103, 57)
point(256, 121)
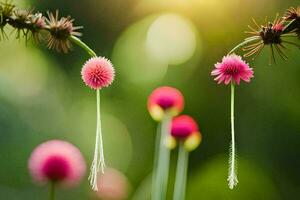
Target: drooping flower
point(20, 20)
point(232, 68)
point(185, 129)
point(37, 23)
point(165, 99)
point(57, 161)
point(98, 72)
point(60, 32)
point(293, 15)
point(6, 11)
point(113, 185)
point(271, 34)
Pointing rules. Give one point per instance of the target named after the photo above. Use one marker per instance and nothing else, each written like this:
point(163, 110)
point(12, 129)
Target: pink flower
point(113, 185)
point(97, 73)
point(183, 126)
point(165, 99)
point(232, 68)
point(57, 161)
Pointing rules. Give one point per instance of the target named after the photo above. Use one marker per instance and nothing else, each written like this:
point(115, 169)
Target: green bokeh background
point(42, 97)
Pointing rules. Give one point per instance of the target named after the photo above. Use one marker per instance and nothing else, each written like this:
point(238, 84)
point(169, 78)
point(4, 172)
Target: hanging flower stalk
point(163, 104)
point(275, 35)
point(232, 70)
point(185, 131)
point(97, 73)
point(59, 33)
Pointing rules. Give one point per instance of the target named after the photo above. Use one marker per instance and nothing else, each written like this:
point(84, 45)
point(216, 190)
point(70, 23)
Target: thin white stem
point(155, 162)
point(232, 173)
point(162, 170)
point(181, 173)
point(98, 161)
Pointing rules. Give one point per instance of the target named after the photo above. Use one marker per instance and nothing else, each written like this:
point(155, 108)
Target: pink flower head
point(232, 68)
point(57, 161)
point(98, 72)
point(183, 126)
point(186, 129)
point(165, 99)
point(113, 185)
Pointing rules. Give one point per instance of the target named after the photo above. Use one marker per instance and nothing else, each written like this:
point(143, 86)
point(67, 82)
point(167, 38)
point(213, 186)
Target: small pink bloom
point(113, 185)
point(98, 72)
point(232, 68)
point(57, 161)
point(183, 126)
point(278, 27)
point(165, 99)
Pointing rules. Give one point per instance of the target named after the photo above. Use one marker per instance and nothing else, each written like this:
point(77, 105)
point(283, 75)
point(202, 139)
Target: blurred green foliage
point(42, 97)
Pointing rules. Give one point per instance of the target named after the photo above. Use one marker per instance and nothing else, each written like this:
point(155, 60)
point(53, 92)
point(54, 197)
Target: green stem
point(241, 44)
point(155, 162)
point(83, 46)
point(232, 177)
point(162, 171)
point(52, 191)
point(181, 173)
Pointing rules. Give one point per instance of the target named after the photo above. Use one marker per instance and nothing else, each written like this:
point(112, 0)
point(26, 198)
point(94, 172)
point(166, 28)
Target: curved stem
point(181, 173)
point(83, 46)
point(52, 191)
point(241, 44)
point(162, 171)
point(232, 177)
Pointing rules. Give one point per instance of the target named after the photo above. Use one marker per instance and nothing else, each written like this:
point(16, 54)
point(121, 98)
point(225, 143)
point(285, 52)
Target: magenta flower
point(232, 68)
point(57, 161)
point(165, 99)
point(185, 128)
point(186, 131)
point(98, 72)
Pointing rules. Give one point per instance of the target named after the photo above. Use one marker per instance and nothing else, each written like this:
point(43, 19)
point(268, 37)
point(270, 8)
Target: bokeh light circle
point(171, 38)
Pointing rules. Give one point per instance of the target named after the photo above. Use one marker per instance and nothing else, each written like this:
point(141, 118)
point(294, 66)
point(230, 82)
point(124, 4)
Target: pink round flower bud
point(98, 72)
point(113, 185)
point(183, 126)
point(57, 161)
point(232, 68)
point(165, 99)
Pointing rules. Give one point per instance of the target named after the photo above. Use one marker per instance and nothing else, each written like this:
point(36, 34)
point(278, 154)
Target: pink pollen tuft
point(183, 126)
point(232, 68)
point(98, 72)
point(56, 168)
point(57, 161)
point(278, 27)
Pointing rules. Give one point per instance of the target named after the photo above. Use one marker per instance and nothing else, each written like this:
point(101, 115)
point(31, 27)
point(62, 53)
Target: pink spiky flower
point(185, 128)
point(232, 68)
point(98, 72)
point(57, 161)
point(165, 99)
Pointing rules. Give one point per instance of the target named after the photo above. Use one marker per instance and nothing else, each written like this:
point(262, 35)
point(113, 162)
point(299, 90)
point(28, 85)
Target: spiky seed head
point(61, 29)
